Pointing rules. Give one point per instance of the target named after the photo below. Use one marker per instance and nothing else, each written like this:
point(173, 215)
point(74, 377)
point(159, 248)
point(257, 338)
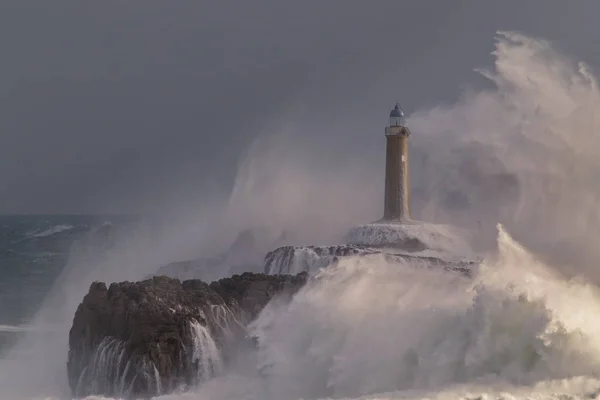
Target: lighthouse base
point(412, 236)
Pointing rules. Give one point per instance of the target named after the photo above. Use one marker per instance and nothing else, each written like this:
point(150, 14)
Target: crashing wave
point(366, 326)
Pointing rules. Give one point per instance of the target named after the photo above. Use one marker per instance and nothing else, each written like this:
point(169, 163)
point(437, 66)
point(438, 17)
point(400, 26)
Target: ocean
point(523, 326)
point(34, 249)
point(517, 330)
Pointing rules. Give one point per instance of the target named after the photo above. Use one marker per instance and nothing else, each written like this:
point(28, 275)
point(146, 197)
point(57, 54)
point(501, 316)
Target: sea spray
point(523, 153)
point(366, 326)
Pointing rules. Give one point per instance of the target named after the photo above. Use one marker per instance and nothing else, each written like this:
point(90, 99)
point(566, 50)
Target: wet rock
point(140, 339)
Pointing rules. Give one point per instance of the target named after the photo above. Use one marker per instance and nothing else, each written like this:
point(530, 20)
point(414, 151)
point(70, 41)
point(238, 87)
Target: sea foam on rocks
point(421, 244)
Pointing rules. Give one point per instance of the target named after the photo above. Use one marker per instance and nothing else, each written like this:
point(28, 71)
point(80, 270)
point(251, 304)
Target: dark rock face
point(156, 336)
point(296, 259)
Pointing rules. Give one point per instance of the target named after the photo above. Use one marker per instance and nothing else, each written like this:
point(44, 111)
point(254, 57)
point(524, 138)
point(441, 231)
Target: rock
point(310, 259)
point(141, 339)
point(245, 254)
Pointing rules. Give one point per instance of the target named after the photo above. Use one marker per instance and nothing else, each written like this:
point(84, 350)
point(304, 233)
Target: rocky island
point(171, 332)
point(140, 339)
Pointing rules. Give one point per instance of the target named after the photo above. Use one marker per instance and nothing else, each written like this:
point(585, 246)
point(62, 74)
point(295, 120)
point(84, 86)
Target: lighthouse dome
point(396, 112)
point(396, 116)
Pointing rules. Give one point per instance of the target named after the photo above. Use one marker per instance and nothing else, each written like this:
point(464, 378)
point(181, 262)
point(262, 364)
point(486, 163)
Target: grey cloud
point(114, 106)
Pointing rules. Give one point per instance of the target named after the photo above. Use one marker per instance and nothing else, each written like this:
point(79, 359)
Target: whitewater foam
point(50, 231)
point(14, 328)
point(367, 327)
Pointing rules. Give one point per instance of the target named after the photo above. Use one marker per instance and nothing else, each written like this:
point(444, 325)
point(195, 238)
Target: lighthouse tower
point(397, 230)
point(397, 190)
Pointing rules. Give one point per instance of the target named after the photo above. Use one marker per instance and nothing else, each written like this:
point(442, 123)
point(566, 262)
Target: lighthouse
point(397, 231)
point(397, 190)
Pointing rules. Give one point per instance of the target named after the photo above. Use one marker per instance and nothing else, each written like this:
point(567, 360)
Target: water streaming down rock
point(205, 353)
point(112, 370)
point(106, 367)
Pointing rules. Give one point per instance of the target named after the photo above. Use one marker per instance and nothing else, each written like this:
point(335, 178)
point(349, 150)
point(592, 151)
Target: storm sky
point(119, 106)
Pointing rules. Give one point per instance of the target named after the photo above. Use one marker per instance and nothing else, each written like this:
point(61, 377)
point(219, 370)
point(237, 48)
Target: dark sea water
point(33, 251)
